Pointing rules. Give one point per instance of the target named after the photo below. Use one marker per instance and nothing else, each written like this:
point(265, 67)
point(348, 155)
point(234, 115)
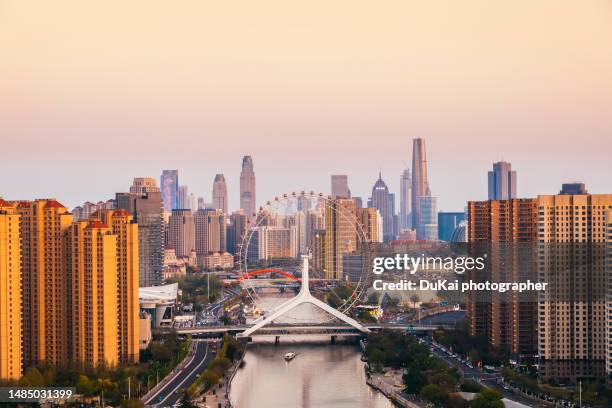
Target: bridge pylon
point(304, 296)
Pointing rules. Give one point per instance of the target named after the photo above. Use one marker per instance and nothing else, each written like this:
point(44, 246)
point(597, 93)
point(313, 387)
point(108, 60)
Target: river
point(322, 375)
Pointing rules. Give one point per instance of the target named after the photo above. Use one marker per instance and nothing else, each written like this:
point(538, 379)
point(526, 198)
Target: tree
point(185, 401)
point(456, 401)
point(434, 394)
point(487, 398)
point(32, 378)
point(414, 380)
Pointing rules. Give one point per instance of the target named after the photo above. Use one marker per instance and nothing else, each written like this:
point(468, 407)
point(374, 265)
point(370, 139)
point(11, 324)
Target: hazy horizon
point(94, 94)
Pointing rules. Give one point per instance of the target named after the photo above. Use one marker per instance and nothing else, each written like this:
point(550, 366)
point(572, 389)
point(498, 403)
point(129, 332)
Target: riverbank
point(378, 382)
point(219, 394)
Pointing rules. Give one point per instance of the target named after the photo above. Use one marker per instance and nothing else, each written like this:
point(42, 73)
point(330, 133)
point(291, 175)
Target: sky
point(93, 94)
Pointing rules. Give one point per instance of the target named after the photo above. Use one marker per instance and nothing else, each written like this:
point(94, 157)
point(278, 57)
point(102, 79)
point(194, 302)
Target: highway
point(170, 393)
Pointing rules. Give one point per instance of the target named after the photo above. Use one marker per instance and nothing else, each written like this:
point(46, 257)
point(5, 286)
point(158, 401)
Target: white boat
point(290, 356)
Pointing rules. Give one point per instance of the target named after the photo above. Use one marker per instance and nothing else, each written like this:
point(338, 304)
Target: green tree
point(414, 380)
point(434, 394)
point(32, 378)
point(487, 398)
point(456, 401)
point(185, 401)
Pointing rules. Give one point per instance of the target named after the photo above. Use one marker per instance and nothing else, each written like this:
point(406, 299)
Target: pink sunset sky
point(95, 93)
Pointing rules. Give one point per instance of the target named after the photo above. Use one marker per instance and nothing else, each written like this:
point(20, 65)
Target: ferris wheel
point(325, 228)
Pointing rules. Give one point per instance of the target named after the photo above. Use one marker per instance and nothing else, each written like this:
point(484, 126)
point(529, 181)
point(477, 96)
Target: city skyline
point(320, 99)
point(76, 198)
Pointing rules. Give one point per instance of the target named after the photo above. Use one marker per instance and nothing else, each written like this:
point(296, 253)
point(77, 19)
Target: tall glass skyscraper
point(169, 189)
point(427, 228)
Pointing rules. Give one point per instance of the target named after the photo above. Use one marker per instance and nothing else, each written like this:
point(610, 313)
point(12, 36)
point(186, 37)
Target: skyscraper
point(368, 221)
point(427, 227)
point(42, 226)
point(573, 258)
point(126, 231)
point(144, 203)
point(506, 231)
point(405, 217)
point(94, 336)
point(219, 194)
point(169, 189)
point(340, 235)
point(181, 232)
point(247, 187)
point(236, 231)
point(208, 232)
point(10, 290)
point(381, 201)
point(502, 182)
point(420, 185)
point(274, 242)
point(339, 186)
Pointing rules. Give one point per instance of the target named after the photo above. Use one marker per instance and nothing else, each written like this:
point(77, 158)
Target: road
point(170, 393)
point(487, 379)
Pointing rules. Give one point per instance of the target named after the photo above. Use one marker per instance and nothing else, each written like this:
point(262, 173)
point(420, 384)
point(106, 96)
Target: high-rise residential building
point(275, 242)
point(239, 224)
point(420, 184)
point(181, 232)
point(126, 231)
point(219, 194)
point(93, 333)
point(10, 290)
point(382, 202)
point(144, 203)
point(208, 232)
point(339, 186)
point(575, 188)
point(368, 219)
point(427, 227)
point(505, 233)
point(609, 295)
point(340, 234)
point(405, 216)
point(502, 182)
point(574, 260)
point(170, 189)
point(42, 226)
point(447, 222)
point(247, 187)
